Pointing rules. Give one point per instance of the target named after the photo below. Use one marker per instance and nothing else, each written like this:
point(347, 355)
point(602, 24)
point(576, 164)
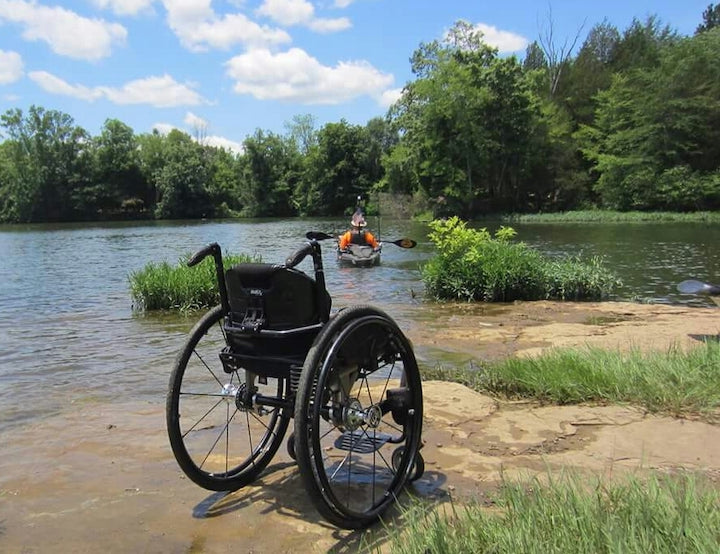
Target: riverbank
point(101, 475)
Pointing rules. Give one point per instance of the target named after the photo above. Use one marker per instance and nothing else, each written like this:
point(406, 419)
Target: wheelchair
point(272, 352)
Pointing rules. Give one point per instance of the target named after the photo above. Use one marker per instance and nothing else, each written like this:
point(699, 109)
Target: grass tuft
point(674, 382)
point(569, 513)
point(161, 286)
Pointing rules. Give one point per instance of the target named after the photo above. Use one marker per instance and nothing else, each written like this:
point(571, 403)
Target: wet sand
point(101, 477)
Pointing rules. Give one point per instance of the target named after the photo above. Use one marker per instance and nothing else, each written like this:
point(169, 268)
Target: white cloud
point(160, 92)
point(165, 128)
point(198, 27)
point(342, 3)
point(323, 25)
point(54, 85)
point(67, 33)
point(287, 12)
point(296, 76)
point(389, 97)
point(213, 140)
point(222, 142)
point(300, 12)
point(124, 7)
point(504, 41)
point(11, 67)
point(195, 121)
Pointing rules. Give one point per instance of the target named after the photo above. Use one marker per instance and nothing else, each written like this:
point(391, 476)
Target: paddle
point(691, 286)
point(402, 243)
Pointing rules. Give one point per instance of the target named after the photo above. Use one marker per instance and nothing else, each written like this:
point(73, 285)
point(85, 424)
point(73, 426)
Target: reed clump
point(162, 286)
point(609, 216)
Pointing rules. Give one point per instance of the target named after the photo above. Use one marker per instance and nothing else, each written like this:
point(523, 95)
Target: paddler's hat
point(358, 220)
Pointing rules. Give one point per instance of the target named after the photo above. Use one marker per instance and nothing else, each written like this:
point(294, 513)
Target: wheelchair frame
point(271, 352)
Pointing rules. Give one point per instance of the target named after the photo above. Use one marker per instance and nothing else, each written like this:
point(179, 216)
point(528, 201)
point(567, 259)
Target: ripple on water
point(68, 333)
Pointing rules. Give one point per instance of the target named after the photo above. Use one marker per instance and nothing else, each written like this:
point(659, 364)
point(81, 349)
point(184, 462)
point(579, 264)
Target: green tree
point(655, 143)
point(47, 163)
point(119, 181)
point(302, 132)
point(336, 171)
point(534, 57)
point(271, 167)
point(590, 72)
point(641, 44)
point(465, 123)
point(181, 181)
point(711, 19)
point(152, 158)
point(224, 170)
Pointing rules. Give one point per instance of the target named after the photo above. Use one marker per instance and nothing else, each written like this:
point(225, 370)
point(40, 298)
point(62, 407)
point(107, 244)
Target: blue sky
point(222, 69)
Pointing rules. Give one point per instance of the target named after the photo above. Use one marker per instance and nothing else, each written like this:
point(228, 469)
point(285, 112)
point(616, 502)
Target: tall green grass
point(571, 515)
point(161, 286)
point(608, 216)
point(675, 382)
point(472, 265)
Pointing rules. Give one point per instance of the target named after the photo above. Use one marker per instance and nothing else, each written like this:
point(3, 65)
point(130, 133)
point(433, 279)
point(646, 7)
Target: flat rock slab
point(101, 477)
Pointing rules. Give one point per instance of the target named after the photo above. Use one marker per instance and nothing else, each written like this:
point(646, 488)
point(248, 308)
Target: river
point(69, 334)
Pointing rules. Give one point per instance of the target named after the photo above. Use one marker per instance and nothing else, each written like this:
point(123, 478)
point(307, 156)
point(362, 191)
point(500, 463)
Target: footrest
point(360, 442)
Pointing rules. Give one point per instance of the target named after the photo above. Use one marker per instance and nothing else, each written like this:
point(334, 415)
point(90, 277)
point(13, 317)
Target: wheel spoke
point(202, 418)
point(207, 367)
point(225, 429)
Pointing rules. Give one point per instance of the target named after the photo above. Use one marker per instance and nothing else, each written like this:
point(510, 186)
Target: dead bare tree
point(200, 130)
point(555, 54)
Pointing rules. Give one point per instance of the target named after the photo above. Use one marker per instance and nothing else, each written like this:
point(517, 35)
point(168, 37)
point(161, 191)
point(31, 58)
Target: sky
point(220, 70)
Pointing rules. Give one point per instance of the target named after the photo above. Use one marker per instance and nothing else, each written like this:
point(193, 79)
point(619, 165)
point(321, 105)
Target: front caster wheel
point(418, 463)
point(291, 446)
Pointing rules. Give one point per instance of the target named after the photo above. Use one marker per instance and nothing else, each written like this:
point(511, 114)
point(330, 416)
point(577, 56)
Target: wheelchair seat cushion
point(283, 298)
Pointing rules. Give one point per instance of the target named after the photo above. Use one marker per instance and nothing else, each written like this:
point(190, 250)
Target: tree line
point(629, 122)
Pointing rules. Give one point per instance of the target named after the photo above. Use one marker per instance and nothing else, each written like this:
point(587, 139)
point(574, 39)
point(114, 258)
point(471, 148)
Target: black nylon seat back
point(284, 298)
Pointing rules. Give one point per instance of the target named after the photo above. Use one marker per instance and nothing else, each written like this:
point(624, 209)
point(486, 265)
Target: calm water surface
point(69, 334)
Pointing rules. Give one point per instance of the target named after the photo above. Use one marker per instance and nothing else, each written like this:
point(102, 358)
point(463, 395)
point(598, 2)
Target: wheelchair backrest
point(266, 296)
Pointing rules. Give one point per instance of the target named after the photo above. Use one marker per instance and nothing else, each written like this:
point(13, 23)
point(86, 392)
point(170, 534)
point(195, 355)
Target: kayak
point(359, 255)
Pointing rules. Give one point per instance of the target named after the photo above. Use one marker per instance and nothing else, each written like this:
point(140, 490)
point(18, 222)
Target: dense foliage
point(630, 122)
point(472, 265)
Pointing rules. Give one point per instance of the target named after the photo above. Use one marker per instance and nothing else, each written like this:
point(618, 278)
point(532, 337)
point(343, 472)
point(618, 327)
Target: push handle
point(200, 255)
point(214, 250)
point(299, 255)
point(317, 235)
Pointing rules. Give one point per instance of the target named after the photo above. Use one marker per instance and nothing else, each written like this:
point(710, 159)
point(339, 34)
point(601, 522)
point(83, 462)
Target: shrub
point(473, 265)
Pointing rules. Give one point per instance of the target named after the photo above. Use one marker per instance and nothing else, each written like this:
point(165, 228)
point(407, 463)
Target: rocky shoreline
point(101, 477)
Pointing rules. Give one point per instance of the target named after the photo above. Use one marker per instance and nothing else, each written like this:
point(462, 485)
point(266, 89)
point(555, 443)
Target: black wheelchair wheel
point(358, 417)
point(218, 445)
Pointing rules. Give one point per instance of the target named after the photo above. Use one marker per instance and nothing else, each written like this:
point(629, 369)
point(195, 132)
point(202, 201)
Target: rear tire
point(219, 446)
point(359, 400)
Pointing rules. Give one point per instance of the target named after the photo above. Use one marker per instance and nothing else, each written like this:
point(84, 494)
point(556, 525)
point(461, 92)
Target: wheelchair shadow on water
point(280, 490)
